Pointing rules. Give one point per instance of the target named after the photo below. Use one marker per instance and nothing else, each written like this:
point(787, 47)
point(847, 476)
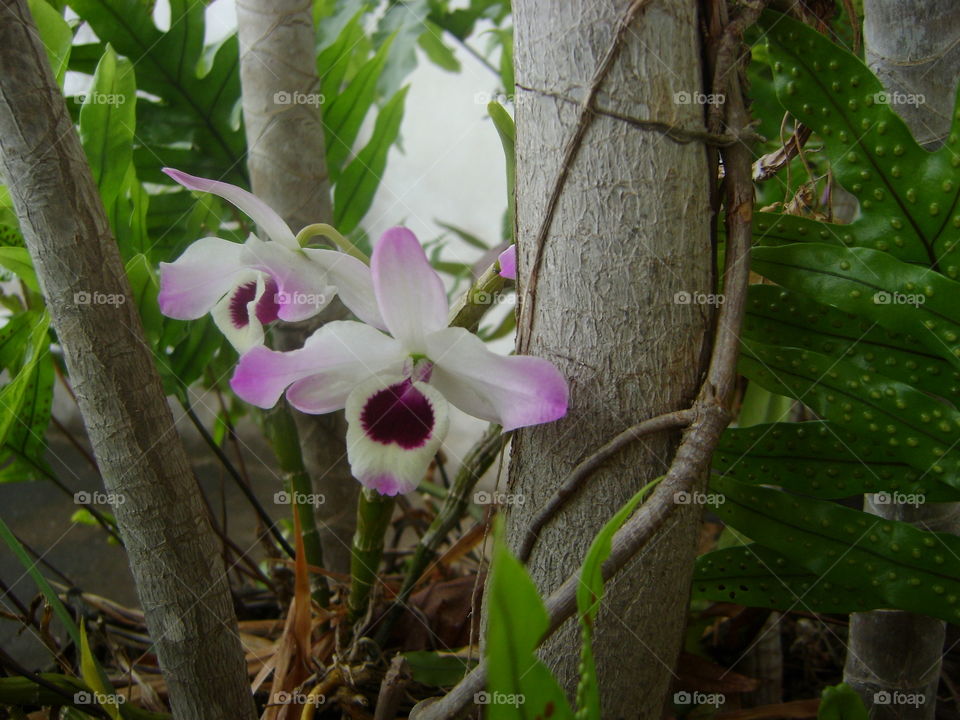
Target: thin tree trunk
point(892, 656)
point(629, 231)
point(287, 163)
point(174, 555)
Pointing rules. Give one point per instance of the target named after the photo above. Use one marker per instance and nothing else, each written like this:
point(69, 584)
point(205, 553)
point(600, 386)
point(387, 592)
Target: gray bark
point(287, 163)
point(174, 556)
point(911, 46)
point(893, 655)
point(630, 230)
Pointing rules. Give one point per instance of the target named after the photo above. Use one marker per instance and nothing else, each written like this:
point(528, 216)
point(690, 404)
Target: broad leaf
point(898, 296)
point(757, 576)
point(357, 186)
point(918, 429)
point(824, 460)
point(519, 685)
point(107, 123)
point(905, 567)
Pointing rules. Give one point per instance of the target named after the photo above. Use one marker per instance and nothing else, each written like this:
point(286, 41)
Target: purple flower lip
point(266, 308)
point(398, 414)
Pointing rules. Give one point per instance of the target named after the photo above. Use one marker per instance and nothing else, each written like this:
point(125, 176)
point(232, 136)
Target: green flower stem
point(373, 518)
point(374, 510)
point(468, 310)
point(475, 464)
point(281, 432)
point(331, 234)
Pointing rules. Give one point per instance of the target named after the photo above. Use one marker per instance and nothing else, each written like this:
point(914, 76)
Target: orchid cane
point(247, 286)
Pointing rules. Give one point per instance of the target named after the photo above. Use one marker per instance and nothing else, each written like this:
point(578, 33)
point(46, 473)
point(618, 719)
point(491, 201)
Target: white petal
point(394, 429)
point(303, 287)
point(253, 207)
point(409, 292)
point(196, 281)
point(514, 391)
point(353, 282)
point(239, 321)
point(321, 374)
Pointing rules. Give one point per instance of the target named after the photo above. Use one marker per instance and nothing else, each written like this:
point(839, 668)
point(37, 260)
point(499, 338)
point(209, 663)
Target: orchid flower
point(247, 286)
point(396, 387)
point(508, 263)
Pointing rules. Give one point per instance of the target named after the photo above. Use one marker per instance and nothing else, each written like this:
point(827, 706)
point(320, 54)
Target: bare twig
point(674, 132)
point(575, 480)
point(238, 479)
point(770, 164)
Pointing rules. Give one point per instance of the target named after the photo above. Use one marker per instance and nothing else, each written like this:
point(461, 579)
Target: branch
point(582, 472)
point(173, 553)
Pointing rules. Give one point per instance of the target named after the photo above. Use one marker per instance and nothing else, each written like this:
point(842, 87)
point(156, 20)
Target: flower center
point(398, 414)
point(266, 308)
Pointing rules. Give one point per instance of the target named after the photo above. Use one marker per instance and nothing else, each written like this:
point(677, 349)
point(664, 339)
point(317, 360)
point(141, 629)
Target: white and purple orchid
point(396, 387)
point(246, 287)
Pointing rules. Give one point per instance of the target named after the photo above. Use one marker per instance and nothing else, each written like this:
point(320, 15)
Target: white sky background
point(451, 168)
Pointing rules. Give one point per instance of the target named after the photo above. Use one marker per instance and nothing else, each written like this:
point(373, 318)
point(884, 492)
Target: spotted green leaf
point(823, 460)
point(756, 576)
point(778, 316)
point(907, 195)
point(903, 566)
point(895, 295)
point(916, 428)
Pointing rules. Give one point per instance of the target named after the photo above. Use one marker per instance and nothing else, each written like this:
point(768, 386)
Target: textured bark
point(894, 654)
point(287, 163)
point(910, 46)
point(630, 230)
point(174, 556)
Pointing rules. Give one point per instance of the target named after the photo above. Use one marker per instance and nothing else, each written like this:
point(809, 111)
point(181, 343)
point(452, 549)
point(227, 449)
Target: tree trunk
point(894, 655)
point(287, 163)
point(909, 45)
point(629, 232)
point(174, 556)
